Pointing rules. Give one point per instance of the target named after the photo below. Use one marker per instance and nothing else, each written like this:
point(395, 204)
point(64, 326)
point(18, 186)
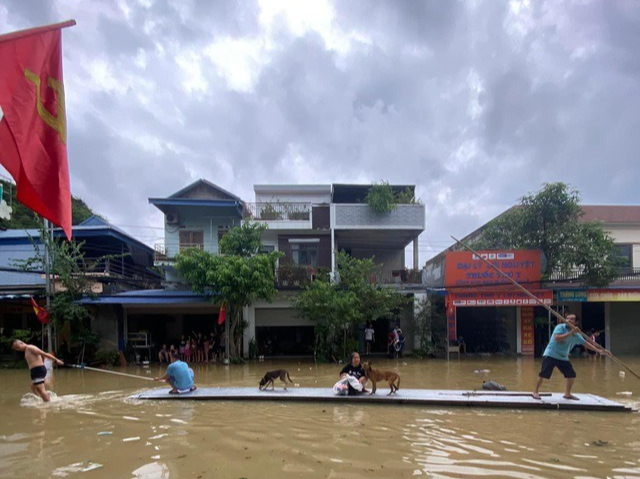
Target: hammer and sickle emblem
point(58, 123)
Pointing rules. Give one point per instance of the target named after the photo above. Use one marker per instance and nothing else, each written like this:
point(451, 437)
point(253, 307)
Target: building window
point(304, 254)
point(267, 248)
point(191, 239)
point(625, 254)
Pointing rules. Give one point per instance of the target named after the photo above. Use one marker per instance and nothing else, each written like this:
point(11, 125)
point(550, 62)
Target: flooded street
point(93, 419)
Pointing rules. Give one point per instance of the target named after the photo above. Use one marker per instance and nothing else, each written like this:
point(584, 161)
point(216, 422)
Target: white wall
point(287, 196)
point(624, 234)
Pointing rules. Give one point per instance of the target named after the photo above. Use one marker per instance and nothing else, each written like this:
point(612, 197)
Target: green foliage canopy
point(338, 308)
point(550, 220)
point(236, 279)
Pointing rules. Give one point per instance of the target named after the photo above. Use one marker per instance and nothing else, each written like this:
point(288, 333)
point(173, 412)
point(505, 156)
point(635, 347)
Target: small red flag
point(223, 314)
point(33, 127)
point(41, 313)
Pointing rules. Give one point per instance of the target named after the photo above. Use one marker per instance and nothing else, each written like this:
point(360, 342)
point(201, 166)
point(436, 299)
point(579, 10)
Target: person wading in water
point(34, 357)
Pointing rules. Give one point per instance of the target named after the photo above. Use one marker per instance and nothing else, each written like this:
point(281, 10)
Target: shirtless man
point(34, 357)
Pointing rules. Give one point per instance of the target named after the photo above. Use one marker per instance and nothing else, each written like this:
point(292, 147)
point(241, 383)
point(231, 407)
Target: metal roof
point(149, 297)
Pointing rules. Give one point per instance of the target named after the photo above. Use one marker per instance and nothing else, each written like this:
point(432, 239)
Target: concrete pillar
point(249, 313)
point(607, 326)
point(416, 253)
point(332, 226)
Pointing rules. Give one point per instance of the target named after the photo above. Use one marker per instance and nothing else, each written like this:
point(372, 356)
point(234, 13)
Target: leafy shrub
point(380, 198)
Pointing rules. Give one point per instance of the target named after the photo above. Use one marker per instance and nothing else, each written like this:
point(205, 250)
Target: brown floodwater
point(93, 419)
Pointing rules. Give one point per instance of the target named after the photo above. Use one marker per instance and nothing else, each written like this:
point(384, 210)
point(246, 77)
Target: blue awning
point(149, 297)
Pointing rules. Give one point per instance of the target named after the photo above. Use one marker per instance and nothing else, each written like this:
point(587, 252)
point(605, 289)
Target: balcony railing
point(361, 216)
point(625, 274)
point(295, 276)
point(279, 211)
point(400, 276)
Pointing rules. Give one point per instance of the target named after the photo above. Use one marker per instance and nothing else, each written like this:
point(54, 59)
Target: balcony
point(360, 216)
point(403, 277)
point(281, 215)
point(293, 276)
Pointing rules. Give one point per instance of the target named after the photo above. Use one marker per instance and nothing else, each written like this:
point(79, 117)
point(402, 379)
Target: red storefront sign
point(499, 298)
point(451, 319)
point(526, 330)
point(463, 268)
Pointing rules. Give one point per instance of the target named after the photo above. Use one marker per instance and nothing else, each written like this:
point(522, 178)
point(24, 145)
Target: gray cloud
point(477, 103)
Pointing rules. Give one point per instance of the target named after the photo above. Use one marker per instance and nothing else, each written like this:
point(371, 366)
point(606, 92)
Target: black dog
point(271, 376)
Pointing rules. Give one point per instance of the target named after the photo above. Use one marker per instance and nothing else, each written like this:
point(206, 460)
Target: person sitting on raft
point(179, 375)
point(354, 375)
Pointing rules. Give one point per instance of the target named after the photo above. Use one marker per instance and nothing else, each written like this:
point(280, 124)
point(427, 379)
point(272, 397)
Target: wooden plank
point(431, 397)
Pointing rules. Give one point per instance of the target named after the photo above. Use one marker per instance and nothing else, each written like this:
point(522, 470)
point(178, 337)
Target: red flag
point(223, 314)
point(41, 313)
point(33, 129)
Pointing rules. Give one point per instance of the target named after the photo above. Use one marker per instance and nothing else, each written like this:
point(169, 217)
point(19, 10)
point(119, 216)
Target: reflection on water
point(94, 424)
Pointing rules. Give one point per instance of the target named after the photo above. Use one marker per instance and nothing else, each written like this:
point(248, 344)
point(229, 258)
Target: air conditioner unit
point(172, 219)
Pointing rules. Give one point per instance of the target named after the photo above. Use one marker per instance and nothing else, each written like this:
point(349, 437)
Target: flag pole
point(36, 30)
point(47, 269)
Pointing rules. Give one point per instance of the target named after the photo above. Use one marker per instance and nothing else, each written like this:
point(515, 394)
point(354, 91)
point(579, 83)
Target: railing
point(578, 274)
point(361, 216)
point(294, 276)
point(400, 276)
point(279, 211)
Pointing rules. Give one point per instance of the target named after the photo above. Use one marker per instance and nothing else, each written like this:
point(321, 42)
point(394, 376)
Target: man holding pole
point(34, 357)
point(565, 336)
point(179, 375)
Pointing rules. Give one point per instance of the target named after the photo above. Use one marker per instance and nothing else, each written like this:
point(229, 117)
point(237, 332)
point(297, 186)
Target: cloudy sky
point(475, 102)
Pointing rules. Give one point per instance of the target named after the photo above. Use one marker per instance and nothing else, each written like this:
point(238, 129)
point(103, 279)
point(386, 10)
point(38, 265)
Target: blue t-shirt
point(180, 375)
point(561, 349)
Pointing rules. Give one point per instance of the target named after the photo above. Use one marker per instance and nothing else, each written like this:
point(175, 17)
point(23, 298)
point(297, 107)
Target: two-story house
point(309, 224)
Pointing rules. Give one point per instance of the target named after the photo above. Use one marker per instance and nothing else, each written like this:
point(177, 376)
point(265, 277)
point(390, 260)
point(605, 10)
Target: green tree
point(23, 218)
point(244, 240)
point(338, 308)
point(71, 270)
point(550, 220)
point(236, 278)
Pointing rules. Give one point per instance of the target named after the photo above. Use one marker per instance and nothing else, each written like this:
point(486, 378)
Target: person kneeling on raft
point(179, 375)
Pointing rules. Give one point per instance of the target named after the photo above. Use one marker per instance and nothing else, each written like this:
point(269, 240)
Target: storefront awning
point(149, 297)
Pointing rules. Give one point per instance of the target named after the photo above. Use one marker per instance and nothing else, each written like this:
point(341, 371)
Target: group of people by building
point(195, 348)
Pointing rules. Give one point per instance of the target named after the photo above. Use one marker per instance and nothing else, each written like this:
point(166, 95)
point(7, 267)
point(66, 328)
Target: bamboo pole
point(551, 310)
point(78, 366)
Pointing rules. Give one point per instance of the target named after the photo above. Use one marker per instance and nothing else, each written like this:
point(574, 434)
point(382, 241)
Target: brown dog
point(271, 376)
point(375, 375)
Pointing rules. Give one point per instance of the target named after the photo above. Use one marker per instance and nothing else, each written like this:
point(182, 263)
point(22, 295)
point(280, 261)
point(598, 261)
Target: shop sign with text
point(463, 268)
point(500, 298)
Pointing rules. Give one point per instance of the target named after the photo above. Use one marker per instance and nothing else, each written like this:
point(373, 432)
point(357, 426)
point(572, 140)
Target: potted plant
point(380, 198)
point(268, 212)
point(285, 274)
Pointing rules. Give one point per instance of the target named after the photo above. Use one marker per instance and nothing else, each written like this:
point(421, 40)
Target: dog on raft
point(375, 375)
point(271, 376)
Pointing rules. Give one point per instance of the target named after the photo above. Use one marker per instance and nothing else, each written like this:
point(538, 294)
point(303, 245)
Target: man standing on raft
point(34, 357)
point(565, 336)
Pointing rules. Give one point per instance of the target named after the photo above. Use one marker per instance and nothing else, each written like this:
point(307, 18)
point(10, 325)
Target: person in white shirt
point(369, 337)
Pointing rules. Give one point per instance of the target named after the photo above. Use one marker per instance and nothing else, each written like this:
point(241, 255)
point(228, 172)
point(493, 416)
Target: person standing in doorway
point(368, 337)
point(563, 339)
